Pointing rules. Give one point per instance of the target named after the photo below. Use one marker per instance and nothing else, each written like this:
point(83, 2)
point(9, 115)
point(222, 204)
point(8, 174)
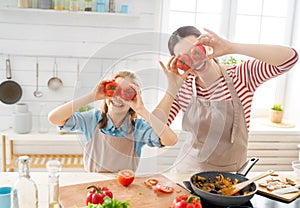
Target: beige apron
point(219, 134)
point(105, 153)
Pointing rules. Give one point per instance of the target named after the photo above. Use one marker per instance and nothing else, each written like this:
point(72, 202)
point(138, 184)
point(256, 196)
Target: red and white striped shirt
point(246, 77)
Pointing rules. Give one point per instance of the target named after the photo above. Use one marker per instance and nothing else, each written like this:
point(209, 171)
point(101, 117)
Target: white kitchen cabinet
point(275, 147)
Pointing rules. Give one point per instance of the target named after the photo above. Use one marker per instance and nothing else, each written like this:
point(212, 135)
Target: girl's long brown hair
point(133, 115)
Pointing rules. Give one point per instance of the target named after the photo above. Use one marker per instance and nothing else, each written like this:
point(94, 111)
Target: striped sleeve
point(175, 108)
point(255, 72)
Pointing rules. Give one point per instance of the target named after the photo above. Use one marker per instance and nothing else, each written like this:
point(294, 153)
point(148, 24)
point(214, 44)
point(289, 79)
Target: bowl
point(296, 168)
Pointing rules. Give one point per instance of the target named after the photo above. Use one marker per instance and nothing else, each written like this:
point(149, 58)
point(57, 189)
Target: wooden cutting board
point(138, 195)
point(285, 197)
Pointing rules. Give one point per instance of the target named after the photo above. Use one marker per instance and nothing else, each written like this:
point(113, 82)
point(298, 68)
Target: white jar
point(22, 119)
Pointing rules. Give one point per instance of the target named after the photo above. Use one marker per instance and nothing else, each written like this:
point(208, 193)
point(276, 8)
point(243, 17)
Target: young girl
point(114, 135)
point(216, 101)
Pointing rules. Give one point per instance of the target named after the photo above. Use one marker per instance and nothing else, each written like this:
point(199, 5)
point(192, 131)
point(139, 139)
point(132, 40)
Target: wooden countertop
point(69, 178)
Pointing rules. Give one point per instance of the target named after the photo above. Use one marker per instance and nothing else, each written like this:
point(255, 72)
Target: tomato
point(125, 177)
point(186, 201)
point(184, 62)
point(96, 194)
point(164, 188)
point(198, 52)
point(128, 93)
point(150, 182)
point(111, 88)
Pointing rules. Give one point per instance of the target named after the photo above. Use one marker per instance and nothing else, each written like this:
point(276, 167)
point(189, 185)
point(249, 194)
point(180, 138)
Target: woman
point(216, 102)
point(114, 135)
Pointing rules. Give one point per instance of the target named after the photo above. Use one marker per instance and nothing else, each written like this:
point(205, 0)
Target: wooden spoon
point(229, 191)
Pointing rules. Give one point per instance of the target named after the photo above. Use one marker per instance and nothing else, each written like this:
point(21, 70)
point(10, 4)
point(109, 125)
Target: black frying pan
point(10, 91)
point(224, 200)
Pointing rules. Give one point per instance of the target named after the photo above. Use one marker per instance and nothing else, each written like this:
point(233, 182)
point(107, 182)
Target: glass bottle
point(23, 3)
point(43, 119)
point(59, 5)
point(34, 3)
point(45, 4)
point(88, 5)
point(112, 6)
point(74, 5)
point(24, 191)
point(53, 167)
point(100, 6)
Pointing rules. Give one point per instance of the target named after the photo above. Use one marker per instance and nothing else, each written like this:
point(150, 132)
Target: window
point(259, 21)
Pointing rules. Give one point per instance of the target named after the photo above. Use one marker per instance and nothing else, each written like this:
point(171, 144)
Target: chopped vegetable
point(110, 203)
point(96, 194)
point(164, 188)
point(125, 177)
point(184, 201)
point(149, 182)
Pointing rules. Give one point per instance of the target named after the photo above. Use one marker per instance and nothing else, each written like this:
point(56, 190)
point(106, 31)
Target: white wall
point(72, 37)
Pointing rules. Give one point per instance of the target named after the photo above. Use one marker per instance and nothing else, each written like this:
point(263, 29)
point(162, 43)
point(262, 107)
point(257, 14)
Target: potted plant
point(276, 114)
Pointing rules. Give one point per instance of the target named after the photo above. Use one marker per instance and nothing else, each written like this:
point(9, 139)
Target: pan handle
point(8, 69)
point(247, 166)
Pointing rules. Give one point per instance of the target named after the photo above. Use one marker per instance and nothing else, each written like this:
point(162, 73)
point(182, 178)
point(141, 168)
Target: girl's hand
point(99, 91)
point(137, 103)
point(175, 79)
point(218, 45)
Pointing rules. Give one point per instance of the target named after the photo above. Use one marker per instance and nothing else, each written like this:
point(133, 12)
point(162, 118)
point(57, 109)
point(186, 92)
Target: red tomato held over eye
point(111, 88)
point(125, 177)
point(164, 188)
point(128, 93)
point(198, 52)
point(184, 62)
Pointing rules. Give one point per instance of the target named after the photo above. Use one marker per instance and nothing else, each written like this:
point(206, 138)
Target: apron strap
point(194, 88)
point(237, 106)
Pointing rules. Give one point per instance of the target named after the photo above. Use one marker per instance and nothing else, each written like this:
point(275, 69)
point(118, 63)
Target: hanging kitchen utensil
point(10, 91)
point(37, 93)
point(55, 83)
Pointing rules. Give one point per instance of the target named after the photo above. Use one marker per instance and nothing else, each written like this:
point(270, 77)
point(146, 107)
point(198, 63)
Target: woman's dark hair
point(180, 33)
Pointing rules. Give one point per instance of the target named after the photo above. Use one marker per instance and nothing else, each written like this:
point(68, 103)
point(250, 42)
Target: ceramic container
point(22, 119)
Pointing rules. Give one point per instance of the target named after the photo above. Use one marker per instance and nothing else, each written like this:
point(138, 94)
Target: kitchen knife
point(188, 185)
point(287, 190)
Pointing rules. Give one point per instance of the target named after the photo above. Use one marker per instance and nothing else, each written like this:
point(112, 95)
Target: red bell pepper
point(96, 194)
point(186, 201)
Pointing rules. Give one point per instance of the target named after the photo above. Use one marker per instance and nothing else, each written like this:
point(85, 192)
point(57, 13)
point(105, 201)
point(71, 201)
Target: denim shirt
point(86, 123)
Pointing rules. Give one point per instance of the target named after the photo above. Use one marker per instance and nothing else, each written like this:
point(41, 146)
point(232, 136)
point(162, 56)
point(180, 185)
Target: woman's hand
point(218, 45)
point(137, 103)
point(175, 79)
